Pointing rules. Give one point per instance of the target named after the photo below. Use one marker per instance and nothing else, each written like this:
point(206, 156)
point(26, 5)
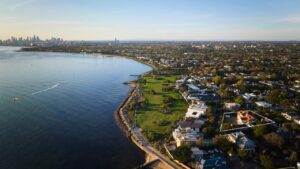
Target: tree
point(286, 104)
point(293, 157)
point(163, 122)
point(152, 92)
point(200, 142)
point(168, 100)
point(267, 162)
point(240, 85)
point(165, 109)
point(167, 89)
point(260, 131)
point(226, 126)
point(239, 100)
point(182, 153)
point(243, 154)
point(208, 131)
point(273, 97)
point(210, 110)
point(222, 143)
point(152, 136)
point(142, 102)
point(274, 139)
point(217, 79)
point(144, 81)
point(224, 93)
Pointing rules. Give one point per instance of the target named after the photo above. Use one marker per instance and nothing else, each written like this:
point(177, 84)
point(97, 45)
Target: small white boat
point(16, 99)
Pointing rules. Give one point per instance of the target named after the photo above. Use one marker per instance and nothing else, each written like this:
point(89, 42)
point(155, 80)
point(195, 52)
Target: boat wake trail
point(47, 89)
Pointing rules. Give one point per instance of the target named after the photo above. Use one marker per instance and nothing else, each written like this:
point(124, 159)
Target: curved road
point(138, 137)
point(148, 149)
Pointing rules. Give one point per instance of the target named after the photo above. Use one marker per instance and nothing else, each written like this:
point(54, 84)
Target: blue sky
point(152, 19)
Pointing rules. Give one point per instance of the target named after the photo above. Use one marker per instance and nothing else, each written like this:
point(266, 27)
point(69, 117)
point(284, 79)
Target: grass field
point(148, 118)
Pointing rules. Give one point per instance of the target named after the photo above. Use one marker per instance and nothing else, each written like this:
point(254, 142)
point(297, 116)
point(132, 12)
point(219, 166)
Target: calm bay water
point(56, 111)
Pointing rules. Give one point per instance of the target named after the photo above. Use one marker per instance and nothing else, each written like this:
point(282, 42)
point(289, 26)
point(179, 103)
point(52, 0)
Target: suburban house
point(211, 97)
point(179, 83)
point(272, 84)
point(196, 110)
point(190, 80)
point(209, 159)
point(185, 136)
point(245, 117)
point(194, 97)
point(241, 141)
point(191, 123)
point(297, 120)
point(192, 88)
point(231, 106)
point(249, 97)
point(201, 94)
point(291, 116)
point(288, 115)
point(197, 154)
point(263, 104)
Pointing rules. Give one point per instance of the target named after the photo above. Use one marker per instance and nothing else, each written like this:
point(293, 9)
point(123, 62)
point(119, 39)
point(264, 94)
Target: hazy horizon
point(155, 40)
point(134, 20)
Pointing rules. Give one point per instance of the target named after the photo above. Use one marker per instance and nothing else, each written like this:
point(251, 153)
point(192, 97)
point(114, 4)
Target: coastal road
point(137, 136)
point(147, 147)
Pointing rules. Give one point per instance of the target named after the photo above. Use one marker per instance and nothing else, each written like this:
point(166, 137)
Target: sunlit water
point(56, 111)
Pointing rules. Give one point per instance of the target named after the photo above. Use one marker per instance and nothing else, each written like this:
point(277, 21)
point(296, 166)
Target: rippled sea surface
point(56, 111)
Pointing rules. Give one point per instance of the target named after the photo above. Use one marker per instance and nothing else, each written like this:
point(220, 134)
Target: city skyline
point(151, 20)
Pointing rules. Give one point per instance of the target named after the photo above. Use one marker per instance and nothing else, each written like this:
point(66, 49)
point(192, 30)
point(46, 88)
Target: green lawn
point(147, 118)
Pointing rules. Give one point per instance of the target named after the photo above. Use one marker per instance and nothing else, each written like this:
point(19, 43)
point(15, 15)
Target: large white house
point(241, 141)
point(191, 123)
point(263, 104)
point(231, 106)
point(185, 136)
point(192, 88)
point(248, 97)
point(196, 110)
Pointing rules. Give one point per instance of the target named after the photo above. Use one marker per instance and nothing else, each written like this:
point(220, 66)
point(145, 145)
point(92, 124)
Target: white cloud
point(291, 19)
point(19, 4)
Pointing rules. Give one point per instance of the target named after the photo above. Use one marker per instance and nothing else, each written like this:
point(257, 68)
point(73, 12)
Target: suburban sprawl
point(210, 105)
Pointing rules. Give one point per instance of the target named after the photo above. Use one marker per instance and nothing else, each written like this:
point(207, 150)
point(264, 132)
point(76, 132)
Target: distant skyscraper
point(116, 42)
